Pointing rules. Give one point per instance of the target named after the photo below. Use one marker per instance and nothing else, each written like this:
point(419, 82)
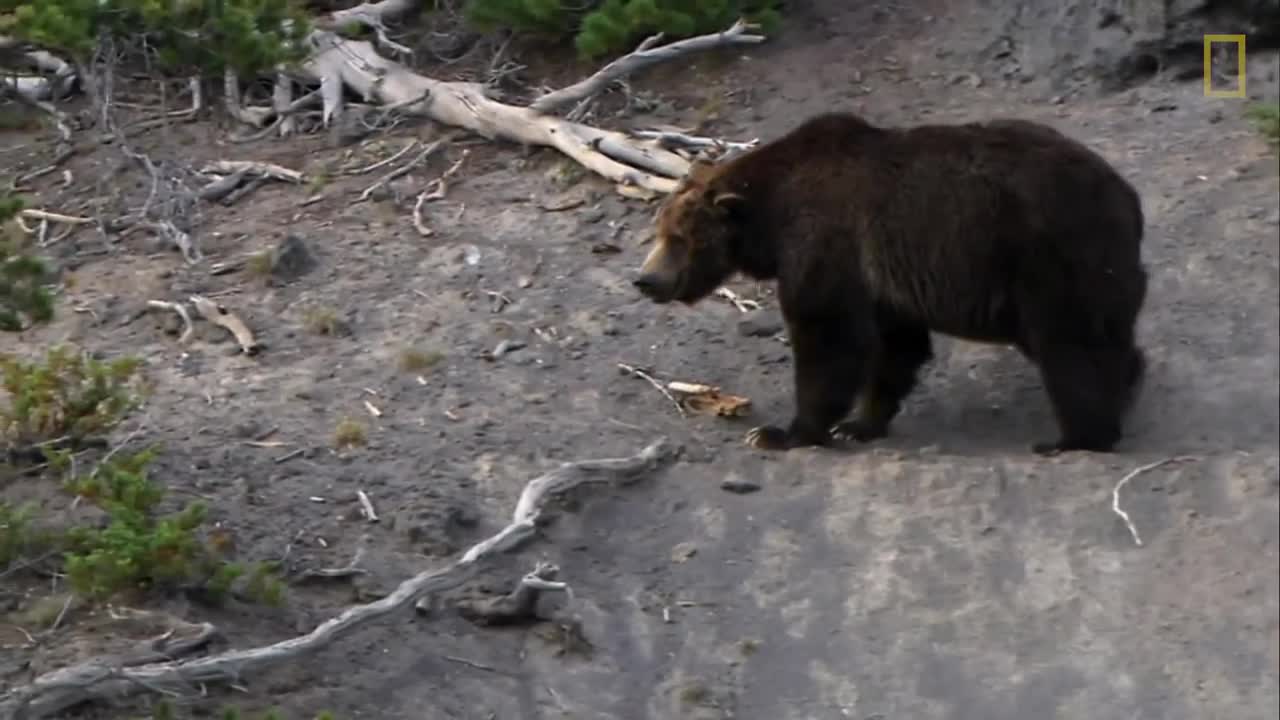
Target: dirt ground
point(943, 573)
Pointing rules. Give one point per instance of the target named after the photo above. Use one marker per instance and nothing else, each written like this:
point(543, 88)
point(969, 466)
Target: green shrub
point(601, 27)
point(24, 301)
point(187, 37)
point(135, 547)
point(1266, 117)
point(15, 533)
point(67, 395)
point(139, 548)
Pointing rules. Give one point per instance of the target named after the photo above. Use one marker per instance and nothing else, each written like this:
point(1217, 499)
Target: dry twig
point(1115, 492)
point(743, 304)
point(384, 162)
point(633, 370)
point(45, 215)
point(366, 505)
point(435, 190)
point(404, 169)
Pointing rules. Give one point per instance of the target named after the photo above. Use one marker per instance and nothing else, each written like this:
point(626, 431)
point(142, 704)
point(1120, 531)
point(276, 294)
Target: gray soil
point(945, 572)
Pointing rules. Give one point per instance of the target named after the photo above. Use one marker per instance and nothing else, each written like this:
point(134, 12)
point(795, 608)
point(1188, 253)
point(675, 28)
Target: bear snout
point(653, 286)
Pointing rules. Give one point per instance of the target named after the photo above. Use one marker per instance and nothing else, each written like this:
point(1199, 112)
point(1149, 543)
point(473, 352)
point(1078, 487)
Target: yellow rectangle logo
point(1238, 41)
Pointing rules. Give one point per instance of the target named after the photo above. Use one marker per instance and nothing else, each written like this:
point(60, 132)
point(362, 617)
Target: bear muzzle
point(655, 287)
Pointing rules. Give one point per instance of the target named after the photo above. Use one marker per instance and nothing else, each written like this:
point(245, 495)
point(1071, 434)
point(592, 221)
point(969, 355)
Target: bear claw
point(767, 437)
point(858, 430)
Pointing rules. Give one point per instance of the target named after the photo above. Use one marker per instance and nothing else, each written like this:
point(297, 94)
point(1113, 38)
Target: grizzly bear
point(1002, 232)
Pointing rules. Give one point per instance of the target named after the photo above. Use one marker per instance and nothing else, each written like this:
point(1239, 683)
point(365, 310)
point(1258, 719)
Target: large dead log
point(339, 63)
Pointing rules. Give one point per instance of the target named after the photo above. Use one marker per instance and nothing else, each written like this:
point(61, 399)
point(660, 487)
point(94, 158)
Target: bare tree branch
point(643, 56)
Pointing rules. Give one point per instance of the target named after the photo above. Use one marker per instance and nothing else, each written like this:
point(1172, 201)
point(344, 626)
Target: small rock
point(504, 347)
point(291, 259)
point(683, 551)
point(739, 486)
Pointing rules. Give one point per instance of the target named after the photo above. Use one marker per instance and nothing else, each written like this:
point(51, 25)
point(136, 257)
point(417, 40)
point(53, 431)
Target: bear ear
point(729, 203)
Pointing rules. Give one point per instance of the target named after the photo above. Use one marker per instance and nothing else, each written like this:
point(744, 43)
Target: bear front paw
point(1098, 443)
point(859, 430)
point(767, 437)
point(1047, 449)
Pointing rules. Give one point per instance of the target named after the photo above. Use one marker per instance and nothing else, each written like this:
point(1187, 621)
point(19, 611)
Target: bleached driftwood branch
point(646, 54)
point(55, 691)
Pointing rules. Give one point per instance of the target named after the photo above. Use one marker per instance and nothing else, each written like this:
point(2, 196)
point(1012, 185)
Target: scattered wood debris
point(234, 179)
point(709, 400)
point(435, 190)
point(219, 315)
point(213, 313)
point(697, 398)
point(187, 327)
point(366, 506)
point(743, 304)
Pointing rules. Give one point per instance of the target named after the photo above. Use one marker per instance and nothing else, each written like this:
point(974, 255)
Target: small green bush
point(15, 533)
point(602, 27)
point(66, 395)
point(136, 548)
point(24, 301)
point(187, 37)
point(1266, 117)
point(141, 549)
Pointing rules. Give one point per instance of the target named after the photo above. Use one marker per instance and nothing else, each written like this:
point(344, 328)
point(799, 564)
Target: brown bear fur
point(1001, 232)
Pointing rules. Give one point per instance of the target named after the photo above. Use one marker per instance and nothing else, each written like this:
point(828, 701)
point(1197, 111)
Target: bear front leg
point(829, 363)
point(905, 346)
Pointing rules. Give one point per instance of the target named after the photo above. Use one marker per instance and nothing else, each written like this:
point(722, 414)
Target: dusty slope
point(944, 573)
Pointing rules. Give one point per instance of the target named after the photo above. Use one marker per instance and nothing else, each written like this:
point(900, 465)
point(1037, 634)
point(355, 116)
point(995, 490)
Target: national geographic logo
point(1220, 40)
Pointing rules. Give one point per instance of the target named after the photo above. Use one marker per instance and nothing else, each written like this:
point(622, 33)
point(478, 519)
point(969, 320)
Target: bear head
point(697, 232)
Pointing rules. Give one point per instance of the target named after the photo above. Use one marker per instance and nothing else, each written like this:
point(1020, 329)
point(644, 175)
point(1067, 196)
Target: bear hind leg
point(1090, 388)
point(829, 358)
point(905, 347)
